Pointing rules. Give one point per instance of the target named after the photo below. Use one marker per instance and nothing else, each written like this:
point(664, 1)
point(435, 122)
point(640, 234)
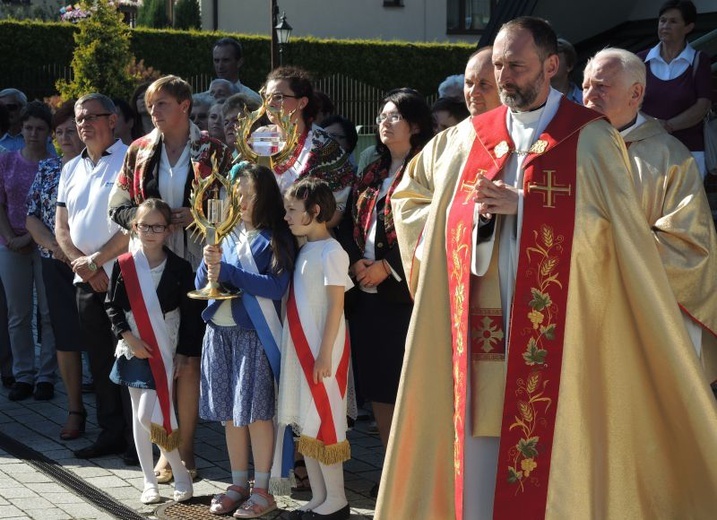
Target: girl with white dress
point(315, 351)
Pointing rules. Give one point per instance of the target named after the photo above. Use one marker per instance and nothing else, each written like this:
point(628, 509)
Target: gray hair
point(18, 94)
point(632, 67)
point(239, 102)
point(202, 99)
point(232, 87)
point(106, 102)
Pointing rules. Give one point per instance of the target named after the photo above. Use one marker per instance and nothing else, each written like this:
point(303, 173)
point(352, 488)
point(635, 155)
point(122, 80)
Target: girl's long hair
point(268, 213)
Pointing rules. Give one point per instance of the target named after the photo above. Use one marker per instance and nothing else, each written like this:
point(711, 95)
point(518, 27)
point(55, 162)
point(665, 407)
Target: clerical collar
point(628, 125)
point(532, 110)
point(639, 120)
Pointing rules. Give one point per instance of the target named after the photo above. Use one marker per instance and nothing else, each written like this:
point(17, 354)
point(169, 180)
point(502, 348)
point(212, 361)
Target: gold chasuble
point(607, 413)
point(674, 201)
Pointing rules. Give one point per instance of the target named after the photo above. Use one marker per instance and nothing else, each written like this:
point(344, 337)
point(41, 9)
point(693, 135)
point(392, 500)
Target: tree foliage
point(187, 15)
point(102, 55)
point(153, 13)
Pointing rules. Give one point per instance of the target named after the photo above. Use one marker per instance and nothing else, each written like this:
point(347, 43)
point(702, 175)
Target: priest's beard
point(521, 99)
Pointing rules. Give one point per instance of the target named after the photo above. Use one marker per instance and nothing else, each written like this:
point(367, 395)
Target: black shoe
point(130, 456)
point(374, 491)
point(296, 514)
point(98, 450)
point(44, 391)
point(20, 391)
point(342, 514)
point(8, 381)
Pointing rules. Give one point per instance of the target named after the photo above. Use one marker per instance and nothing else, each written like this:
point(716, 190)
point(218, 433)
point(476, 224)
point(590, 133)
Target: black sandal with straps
point(302, 483)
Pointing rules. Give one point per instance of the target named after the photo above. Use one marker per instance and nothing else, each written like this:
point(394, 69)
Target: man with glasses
point(92, 241)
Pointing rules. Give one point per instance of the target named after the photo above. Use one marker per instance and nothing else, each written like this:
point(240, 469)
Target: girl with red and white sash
point(241, 353)
point(150, 312)
point(315, 351)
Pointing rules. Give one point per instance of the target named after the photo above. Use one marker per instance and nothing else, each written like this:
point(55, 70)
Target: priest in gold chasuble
point(605, 412)
point(671, 194)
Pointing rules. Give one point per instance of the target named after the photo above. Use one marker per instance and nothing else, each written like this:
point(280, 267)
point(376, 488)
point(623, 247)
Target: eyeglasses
point(392, 118)
point(154, 228)
point(278, 97)
point(91, 118)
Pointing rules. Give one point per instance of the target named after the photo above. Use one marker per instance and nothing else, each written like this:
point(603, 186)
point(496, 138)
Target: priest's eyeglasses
point(154, 228)
point(392, 118)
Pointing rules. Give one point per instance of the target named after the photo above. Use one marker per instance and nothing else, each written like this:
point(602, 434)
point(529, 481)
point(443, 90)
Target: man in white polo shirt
point(92, 241)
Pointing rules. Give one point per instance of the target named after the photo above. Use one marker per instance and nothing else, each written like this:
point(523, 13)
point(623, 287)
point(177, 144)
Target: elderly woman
point(679, 80)
point(234, 106)
point(382, 307)
point(221, 89)
point(56, 270)
point(161, 165)
point(20, 266)
point(201, 103)
point(316, 154)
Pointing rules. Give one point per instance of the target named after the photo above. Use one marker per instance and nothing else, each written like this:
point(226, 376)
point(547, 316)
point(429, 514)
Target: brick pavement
point(27, 492)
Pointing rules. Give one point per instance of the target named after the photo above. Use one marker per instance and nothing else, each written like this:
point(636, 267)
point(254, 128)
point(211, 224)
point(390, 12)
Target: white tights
point(143, 403)
point(327, 487)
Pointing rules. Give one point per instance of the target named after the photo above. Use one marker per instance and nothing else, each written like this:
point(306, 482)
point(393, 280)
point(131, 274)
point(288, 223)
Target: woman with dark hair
point(56, 270)
point(143, 120)
point(448, 112)
point(316, 155)
point(126, 128)
point(342, 131)
point(382, 307)
point(679, 80)
point(162, 164)
point(20, 266)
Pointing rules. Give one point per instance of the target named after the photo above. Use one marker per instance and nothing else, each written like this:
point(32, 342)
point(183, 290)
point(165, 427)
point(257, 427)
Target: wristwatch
point(92, 266)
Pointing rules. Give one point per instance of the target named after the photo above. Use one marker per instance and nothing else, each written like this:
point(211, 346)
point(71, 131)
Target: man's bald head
point(479, 87)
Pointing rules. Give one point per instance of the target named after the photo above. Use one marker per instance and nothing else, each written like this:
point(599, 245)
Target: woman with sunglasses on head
point(289, 89)
point(382, 305)
point(162, 165)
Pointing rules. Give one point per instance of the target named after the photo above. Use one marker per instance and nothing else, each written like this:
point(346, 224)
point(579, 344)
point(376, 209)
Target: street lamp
point(283, 32)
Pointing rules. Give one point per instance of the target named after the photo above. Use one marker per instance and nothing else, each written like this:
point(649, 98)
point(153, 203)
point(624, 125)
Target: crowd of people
point(520, 276)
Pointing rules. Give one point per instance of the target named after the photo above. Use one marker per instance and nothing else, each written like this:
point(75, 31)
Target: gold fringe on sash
point(167, 442)
point(331, 454)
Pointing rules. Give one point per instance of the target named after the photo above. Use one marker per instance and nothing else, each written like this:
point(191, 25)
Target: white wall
point(418, 20)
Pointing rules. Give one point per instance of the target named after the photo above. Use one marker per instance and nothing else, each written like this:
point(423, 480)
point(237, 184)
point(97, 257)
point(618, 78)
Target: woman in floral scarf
point(382, 308)
point(162, 164)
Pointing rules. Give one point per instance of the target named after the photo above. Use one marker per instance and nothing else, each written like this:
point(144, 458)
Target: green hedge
point(380, 64)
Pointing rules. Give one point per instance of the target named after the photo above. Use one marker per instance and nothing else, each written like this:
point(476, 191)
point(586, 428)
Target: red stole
point(146, 332)
point(539, 303)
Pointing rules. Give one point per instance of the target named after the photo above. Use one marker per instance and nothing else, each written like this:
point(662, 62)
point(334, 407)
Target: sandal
point(164, 475)
point(69, 434)
point(259, 503)
point(302, 483)
point(223, 504)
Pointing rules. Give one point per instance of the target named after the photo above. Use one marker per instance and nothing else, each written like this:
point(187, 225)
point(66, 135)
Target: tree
point(153, 13)
point(102, 55)
point(187, 15)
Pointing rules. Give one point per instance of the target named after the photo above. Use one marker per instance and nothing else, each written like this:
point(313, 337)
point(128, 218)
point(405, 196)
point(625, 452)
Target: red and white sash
point(151, 327)
point(320, 437)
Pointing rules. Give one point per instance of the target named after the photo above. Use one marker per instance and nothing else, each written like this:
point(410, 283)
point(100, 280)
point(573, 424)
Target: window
point(468, 16)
